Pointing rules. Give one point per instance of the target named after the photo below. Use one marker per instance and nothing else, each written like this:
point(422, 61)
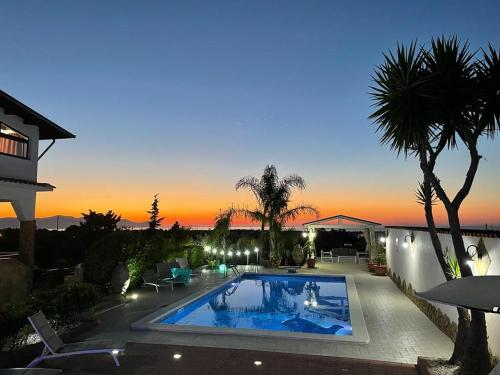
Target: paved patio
point(149, 359)
point(399, 331)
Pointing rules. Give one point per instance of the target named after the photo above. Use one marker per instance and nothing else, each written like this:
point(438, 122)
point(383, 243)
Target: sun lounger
point(183, 263)
point(164, 272)
point(55, 348)
point(30, 371)
point(150, 278)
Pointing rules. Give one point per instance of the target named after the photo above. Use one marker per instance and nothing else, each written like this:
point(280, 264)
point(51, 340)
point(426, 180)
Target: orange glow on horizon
point(192, 207)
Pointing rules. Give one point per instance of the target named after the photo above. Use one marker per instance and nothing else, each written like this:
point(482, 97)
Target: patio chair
point(183, 263)
point(326, 256)
point(30, 371)
point(56, 348)
point(151, 279)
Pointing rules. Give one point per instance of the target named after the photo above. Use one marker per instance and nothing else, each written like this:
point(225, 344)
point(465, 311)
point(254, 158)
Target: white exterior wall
point(419, 266)
point(13, 167)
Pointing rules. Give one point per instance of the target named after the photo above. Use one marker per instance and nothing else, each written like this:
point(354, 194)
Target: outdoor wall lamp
point(304, 234)
point(411, 237)
point(473, 253)
point(382, 239)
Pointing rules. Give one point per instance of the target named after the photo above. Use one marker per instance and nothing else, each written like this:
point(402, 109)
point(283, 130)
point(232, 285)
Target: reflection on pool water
point(308, 304)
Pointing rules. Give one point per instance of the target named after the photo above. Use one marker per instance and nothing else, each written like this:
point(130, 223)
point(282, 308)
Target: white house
point(21, 129)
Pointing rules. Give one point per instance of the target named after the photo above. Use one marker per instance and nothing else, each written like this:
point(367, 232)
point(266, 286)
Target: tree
point(273, 197)
point(100, 222)
point(154, 215)
point(430, 100)
point(222, 228)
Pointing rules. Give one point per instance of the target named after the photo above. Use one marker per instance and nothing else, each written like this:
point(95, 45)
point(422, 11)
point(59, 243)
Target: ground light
point(134, 296)
point(257, 363)
point(177, 356)
point(115, 352)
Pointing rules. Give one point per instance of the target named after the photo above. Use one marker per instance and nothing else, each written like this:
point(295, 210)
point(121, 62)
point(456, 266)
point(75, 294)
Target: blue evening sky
point(196, 91)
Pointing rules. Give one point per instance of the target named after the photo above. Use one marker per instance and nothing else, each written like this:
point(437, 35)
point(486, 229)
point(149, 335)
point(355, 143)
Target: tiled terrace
point(399, 331)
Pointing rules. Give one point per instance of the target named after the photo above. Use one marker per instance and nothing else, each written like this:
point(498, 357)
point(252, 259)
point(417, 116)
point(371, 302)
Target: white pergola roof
point(343, 222)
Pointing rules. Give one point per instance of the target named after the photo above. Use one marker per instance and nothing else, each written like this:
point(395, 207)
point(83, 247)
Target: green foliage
point(63, 306)
point(102, 256)
point(273, 197)
point(142, 253)
point(380, 257)
point(154, 215)
point(453, 265)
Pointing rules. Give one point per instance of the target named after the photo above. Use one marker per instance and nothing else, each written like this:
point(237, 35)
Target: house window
point(12, 142)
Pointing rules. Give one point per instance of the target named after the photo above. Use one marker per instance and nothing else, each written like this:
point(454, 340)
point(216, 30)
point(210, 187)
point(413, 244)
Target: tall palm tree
point(427, 100)
point(273, 196)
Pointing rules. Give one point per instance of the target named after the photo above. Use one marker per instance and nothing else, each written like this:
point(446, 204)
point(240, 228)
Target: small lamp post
point(247, 253)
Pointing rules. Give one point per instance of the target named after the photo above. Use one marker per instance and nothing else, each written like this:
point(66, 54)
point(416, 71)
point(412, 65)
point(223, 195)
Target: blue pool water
point(309, 304)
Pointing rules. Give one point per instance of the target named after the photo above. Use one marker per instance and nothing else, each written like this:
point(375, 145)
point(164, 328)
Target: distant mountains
point(62, 222)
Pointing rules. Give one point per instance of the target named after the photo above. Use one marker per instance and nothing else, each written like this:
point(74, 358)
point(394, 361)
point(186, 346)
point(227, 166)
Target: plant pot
point(276, 261)
point(311, 262)
point(371, 266)
point(381, 270)
point(266, 263)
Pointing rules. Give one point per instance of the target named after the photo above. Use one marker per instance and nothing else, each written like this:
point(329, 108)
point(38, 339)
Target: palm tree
point(427, 100)
point(273, 197)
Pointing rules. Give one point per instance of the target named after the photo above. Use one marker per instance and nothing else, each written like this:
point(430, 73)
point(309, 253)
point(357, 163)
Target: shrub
point(63, 306)
point(102, 256)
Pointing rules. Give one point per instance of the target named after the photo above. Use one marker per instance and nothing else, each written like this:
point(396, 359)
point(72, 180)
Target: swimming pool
point(276, 305)
point(272, 302)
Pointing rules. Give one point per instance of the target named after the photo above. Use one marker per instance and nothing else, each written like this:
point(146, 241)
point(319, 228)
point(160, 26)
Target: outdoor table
point(182, 273)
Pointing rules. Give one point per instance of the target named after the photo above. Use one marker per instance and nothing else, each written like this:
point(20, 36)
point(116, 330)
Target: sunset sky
point(182, 98)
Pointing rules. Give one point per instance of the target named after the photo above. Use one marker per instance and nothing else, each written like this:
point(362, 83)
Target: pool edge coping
point(359, 330)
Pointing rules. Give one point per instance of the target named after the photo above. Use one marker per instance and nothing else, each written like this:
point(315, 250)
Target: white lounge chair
point(30, 371)
point(56, 348)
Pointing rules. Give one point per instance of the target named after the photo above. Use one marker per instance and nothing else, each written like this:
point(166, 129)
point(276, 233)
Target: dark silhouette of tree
point(100, 222)
point(154, 215)
point(430, 100)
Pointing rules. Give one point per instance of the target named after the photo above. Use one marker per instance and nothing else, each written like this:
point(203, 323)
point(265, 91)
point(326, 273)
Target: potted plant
point(381, 267)
point(311, 262)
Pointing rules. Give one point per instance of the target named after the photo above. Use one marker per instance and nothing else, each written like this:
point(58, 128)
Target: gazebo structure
point(343, 222)
point(340, 222)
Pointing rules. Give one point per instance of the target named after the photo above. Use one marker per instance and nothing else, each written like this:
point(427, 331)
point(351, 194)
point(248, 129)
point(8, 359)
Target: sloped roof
point(341, 218)
point(47, 128)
